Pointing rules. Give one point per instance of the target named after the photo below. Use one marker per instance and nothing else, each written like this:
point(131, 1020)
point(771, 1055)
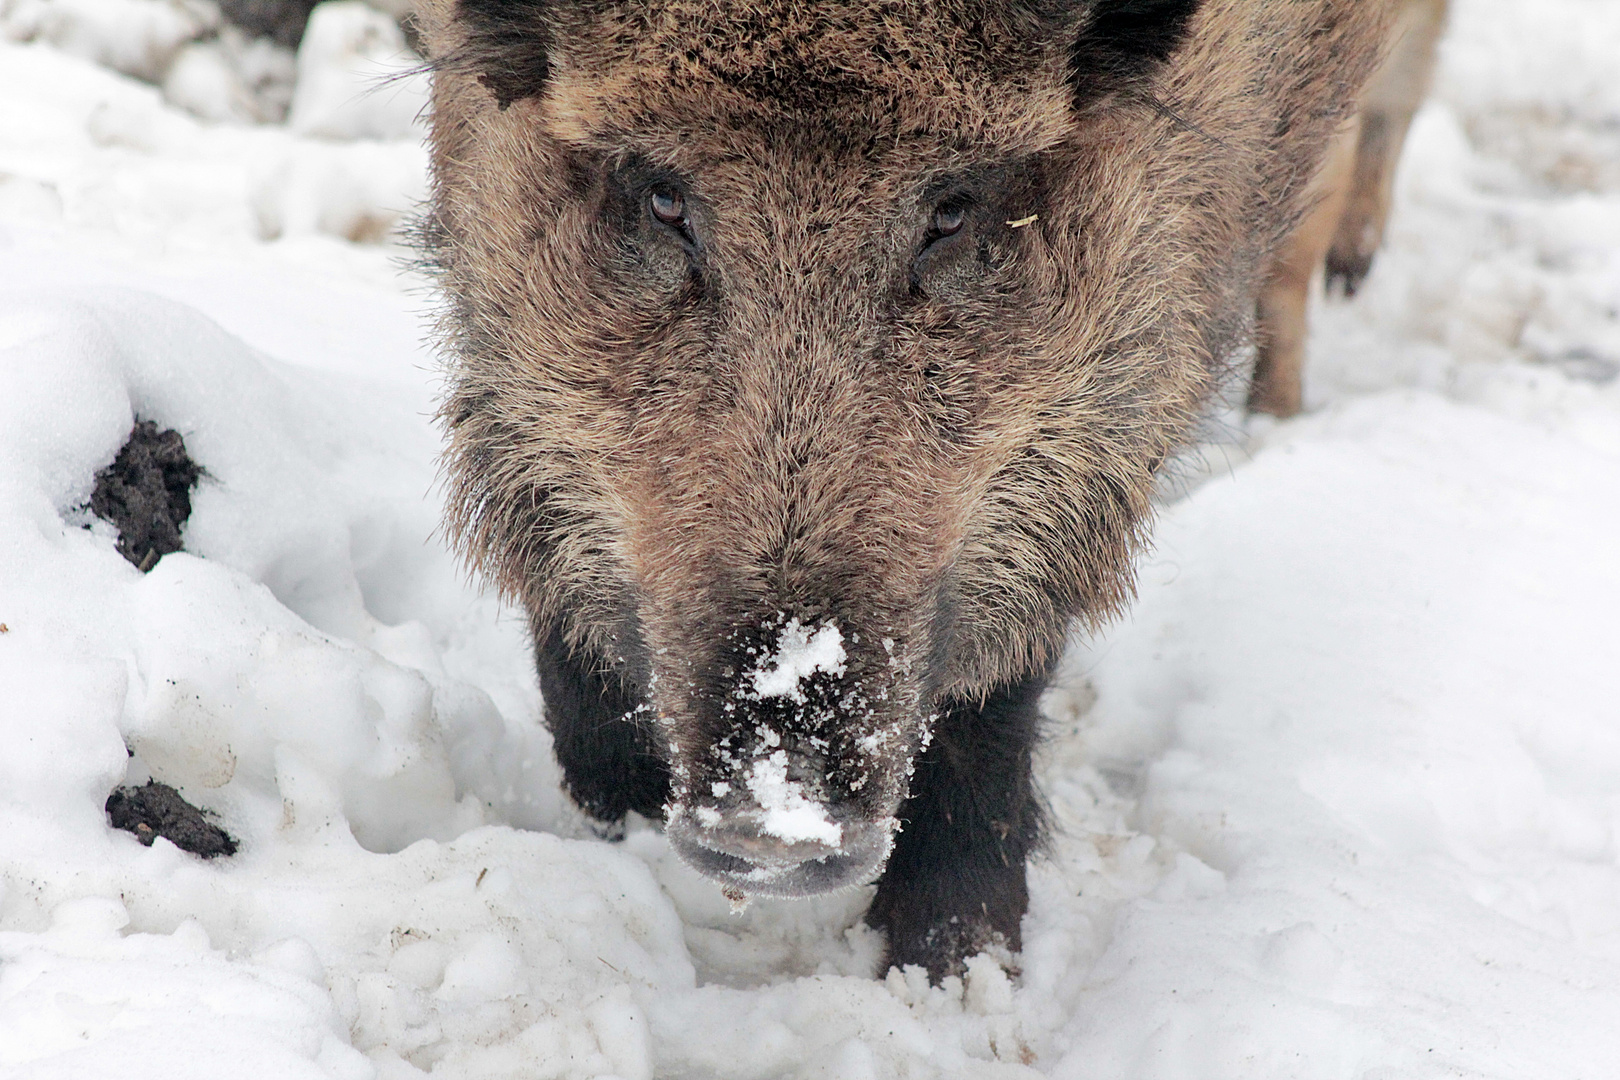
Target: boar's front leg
point(955, 881)
point(1389, 101)
point(609, 759)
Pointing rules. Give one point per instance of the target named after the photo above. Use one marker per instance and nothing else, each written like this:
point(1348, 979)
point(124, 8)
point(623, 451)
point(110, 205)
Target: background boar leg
point(1277, 385)
point(1389, 102)
point(609, 761)
point(1352, 195)
point(955, 881)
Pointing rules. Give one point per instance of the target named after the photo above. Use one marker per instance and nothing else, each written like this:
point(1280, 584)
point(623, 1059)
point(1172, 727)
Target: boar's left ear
point(506, 47)
point(1121, 42)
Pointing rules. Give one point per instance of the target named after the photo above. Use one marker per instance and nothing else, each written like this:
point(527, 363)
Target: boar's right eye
point(668, 207)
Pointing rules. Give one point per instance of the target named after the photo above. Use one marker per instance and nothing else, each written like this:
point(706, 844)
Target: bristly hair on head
point(506, 47)
point(1123, 41)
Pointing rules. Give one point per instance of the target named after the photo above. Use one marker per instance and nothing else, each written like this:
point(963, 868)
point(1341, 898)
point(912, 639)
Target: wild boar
point(811, 365)
point(1348, 205)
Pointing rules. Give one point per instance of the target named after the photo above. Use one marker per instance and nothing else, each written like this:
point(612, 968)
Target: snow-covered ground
point(1340, 799)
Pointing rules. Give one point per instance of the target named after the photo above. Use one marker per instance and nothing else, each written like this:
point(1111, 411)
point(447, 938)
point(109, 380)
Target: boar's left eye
point(949, 219)
point(949, 256)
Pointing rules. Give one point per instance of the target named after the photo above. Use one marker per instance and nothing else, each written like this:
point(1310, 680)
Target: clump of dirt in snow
point(155, 810)
point(282, 21)
point(146, 493)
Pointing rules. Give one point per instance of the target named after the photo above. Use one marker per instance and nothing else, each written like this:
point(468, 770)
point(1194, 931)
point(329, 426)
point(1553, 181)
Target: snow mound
point(231, 78)
point(1372, 789)
point(249, 673)
point(291, 525)
point(105, 152)
point(353, 76)
point(356, 78)
point(135, 37)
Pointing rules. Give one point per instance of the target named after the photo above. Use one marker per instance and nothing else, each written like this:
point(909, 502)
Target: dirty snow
point(799, 654)
point(1341, 798)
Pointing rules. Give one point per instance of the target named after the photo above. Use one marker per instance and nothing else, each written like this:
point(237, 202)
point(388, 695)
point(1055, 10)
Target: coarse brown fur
point(812, 408)
point(1350, 201)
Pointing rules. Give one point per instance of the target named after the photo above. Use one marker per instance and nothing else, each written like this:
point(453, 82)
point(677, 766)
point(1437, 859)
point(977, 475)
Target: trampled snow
point(1340, 798)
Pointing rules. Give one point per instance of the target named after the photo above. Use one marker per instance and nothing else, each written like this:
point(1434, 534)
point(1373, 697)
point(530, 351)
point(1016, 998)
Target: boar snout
point(739, 851)
point(814, 369)
point(793, 791)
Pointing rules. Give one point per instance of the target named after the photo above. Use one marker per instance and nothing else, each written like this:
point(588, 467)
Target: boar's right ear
point(1121, 42)
point(506, 47)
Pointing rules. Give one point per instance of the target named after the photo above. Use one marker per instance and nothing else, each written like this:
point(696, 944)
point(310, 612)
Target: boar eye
point(948, 219)
point(668, 207)
point(945, 254)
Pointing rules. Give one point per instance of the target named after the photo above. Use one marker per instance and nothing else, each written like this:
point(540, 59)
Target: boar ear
point(506, 47)
point(1121, 42)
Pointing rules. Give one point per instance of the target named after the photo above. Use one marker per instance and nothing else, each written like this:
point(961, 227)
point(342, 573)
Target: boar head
point(813, 362)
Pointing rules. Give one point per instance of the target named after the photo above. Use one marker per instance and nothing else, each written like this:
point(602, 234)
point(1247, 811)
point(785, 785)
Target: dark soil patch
point(146, 493)
point(155, 810)
point(282, 21)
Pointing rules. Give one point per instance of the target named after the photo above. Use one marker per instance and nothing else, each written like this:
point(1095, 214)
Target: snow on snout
point(799, 654)
point(789, 814)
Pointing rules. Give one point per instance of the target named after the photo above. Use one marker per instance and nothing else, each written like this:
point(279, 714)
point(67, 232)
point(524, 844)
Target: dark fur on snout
point(940, 287)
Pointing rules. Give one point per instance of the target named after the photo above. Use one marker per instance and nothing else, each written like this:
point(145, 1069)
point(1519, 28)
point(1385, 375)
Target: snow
point(137, 37)
point(109, 155)
point(787, 813)
point(798, 655)
point(1340, 798)
point(352, 76)
point(231, 77)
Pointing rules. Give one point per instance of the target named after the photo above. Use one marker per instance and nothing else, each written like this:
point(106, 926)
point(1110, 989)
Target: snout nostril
point(744, 840)
point(739, 853)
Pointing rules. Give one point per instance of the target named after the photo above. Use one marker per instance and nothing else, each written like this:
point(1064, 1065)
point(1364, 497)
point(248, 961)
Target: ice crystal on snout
point(799, 654)
point(789, 814)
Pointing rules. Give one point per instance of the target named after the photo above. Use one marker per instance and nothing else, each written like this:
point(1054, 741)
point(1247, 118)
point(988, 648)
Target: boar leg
point(1389, 102)
point(955, 881)
point(609, 759)
point(1277, 384)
